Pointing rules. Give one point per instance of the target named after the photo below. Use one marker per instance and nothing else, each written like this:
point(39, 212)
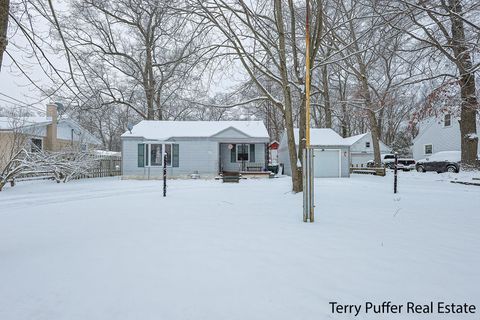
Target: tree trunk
point(372, 119)
point(159, 106)
point(297, 183)
point(326, 98)
point(149, 83)
point(4, 8)
point(469, 105)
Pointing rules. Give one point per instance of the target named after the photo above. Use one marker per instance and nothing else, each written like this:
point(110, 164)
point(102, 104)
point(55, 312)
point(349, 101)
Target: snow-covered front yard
point(112, 249)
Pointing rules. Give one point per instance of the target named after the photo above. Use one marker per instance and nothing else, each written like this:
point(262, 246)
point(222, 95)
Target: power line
point(20, 103)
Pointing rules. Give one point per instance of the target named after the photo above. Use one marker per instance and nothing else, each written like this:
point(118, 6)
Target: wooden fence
point(102, 166)
point(106, 166)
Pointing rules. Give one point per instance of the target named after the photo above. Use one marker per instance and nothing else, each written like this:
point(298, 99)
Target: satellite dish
point(129, 127)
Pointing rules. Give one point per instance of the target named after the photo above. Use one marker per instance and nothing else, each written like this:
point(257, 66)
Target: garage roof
point(324, 137)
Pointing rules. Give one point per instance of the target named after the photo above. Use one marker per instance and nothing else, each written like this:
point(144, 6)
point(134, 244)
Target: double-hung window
point(428, 149)
point(156, 155)
point(447, 120)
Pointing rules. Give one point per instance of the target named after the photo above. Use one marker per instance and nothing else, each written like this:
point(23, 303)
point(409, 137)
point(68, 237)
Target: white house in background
point(331, 154)
point(361, 149)
point(441, 133)
point(206, 148)
point(46, 133)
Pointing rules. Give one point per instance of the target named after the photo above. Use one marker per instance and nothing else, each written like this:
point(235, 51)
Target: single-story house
point(361, 149)
point(204, 148)
point(45, 133)
point(440, 133)
point(331, 154)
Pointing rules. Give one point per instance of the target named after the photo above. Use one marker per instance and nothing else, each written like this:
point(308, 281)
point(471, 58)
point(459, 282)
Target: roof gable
point(354, 139)
point(230, 132)
point(81, 131)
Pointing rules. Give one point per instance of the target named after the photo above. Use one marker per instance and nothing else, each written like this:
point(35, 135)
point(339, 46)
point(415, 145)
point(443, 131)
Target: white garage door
point(327, 163)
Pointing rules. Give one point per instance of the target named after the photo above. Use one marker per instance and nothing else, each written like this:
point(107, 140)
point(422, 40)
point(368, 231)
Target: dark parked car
point(444, 161)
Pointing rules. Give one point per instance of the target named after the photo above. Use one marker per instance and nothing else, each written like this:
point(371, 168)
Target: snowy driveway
point(111, 249)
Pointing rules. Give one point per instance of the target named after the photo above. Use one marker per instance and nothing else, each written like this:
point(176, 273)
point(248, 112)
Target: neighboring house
point(206, 148)
point(46, 133)
point(361, 149)
point(331, 154)
point(441, 133)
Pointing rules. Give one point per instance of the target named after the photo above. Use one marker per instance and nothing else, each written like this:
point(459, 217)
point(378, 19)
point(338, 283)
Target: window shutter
point(252, 152)
point(141, 155)
point(175, 155)
point(233, 154)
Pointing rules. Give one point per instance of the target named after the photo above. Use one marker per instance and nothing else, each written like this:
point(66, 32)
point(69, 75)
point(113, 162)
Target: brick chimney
point(51, 139)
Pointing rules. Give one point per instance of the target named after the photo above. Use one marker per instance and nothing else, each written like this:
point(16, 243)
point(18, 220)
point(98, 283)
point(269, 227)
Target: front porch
point(248, 159)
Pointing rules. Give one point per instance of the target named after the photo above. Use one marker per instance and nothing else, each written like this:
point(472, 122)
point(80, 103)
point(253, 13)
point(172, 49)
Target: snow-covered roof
point(7, 123)
point(323, 137)
point(164, 130)
point(353, 139)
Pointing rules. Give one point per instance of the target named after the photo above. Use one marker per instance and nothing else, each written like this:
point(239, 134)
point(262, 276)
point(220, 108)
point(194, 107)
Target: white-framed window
point(243, 152)
point(367, 144)
point(447, 120)
point(428, 149)
point(37, 144)
point(151, 154)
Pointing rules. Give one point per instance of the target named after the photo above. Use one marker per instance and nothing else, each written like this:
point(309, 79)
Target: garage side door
point(327, 163)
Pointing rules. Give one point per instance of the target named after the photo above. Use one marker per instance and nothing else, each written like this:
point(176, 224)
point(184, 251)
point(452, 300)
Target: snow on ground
point(111, 249)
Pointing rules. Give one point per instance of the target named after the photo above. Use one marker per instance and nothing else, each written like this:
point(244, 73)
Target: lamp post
point(164, 174)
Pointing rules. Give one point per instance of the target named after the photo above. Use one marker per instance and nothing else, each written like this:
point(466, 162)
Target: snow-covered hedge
point(60, 166)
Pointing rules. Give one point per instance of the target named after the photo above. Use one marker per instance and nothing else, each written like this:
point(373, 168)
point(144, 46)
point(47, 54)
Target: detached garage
point(331, 154)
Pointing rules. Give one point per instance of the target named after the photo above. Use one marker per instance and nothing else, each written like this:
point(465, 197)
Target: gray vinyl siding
point(198, 155)
point(360, 154)
point(359, 146)
point(440, 137)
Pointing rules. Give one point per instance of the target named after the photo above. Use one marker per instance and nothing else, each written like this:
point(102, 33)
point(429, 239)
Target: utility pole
point(308, 206)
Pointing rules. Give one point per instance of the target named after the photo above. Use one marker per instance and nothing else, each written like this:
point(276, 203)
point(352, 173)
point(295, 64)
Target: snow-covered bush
point(60, 166)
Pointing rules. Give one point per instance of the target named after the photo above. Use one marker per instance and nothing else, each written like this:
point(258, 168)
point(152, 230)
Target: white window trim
point(148, 160)
point(236, 152)
point(428, 144)
point(369, 144)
